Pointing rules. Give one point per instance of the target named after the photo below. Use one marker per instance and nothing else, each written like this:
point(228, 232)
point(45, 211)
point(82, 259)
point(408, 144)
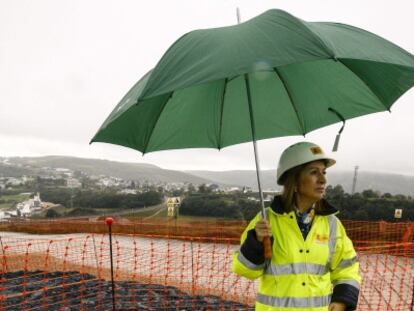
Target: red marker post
point(109, 221)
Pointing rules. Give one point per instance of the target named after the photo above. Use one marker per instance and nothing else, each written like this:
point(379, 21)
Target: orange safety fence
point(172, 266)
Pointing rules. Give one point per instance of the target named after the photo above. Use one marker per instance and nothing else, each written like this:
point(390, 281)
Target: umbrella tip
point(238, 15)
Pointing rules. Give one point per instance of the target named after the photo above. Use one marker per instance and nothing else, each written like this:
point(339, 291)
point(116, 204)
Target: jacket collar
point(327, 209)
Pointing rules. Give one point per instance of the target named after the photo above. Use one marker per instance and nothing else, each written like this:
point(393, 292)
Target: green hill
point(19, 166)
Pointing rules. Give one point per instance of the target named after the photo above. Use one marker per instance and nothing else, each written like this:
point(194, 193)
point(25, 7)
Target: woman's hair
point(290, 183)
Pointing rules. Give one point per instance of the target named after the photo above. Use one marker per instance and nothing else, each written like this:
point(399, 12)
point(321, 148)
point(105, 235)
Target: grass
point(15, 197)
point(157, 211)
point(11, 200)
point(161, 213)
point(149, 221)
point(5, 205)
point(101, 212)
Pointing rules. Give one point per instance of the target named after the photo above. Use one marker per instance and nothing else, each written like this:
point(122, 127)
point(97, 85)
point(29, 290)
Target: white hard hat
point(298, 154)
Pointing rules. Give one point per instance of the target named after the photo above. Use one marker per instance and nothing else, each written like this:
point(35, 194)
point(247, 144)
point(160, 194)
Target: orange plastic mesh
point(39, 271)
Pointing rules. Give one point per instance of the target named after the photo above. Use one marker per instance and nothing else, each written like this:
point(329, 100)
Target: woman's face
point(312, 181)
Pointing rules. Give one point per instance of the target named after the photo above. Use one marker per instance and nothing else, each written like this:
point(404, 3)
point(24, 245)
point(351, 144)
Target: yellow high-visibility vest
point(301, 273)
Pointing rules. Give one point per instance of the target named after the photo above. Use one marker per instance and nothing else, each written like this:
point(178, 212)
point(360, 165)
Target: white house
point(30, 206)
point(14, 181)
point(128, 191)
point(3, 215)
point(73, 183)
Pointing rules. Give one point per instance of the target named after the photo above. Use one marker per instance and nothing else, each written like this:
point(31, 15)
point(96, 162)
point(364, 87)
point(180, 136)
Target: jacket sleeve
point(345, 275)
point(249, 260)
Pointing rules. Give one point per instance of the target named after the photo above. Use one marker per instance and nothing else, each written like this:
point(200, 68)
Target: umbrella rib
point(155, 123)
point(379, 99)
point(290, 98)
point(221, 114)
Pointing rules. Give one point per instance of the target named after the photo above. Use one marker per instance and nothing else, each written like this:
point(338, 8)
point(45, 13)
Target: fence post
point(412, 298)
point(109, 221)
point(2, 250)
point(96, 254)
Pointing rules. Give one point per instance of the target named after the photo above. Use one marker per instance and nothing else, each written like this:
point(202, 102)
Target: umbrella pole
point(256, 156)
point(266, 241)
point(256, 159)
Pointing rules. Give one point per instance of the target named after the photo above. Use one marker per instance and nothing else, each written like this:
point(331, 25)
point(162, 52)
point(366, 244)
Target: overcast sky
point(64, 65)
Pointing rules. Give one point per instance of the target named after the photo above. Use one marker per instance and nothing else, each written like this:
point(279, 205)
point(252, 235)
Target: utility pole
point(355, 179)
point(71, 185)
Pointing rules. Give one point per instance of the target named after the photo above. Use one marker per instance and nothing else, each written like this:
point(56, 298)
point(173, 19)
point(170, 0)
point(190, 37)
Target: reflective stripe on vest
point(296, 268)
point(294, 302)
point(248, 263)
point(347, 262)
point(332, 238)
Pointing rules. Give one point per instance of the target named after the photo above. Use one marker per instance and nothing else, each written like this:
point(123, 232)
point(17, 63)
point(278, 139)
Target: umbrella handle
point(267, 248)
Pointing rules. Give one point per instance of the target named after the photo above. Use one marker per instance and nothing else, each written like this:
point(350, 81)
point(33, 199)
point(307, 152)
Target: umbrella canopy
point(299, 76)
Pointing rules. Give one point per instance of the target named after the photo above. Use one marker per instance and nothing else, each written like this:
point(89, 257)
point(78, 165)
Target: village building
point(28, 207)
point(173, 203)
point(14, 181)
point(73, 183)
point(128, 191)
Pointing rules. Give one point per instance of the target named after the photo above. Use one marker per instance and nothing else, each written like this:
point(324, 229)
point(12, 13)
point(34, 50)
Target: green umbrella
point(274, 75)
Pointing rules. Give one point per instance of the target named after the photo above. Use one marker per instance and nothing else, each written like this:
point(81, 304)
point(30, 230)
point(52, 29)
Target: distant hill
point(127, 171)
point(18, 166)
point(392, 183)
point(383, 182)
point(241, 177)
point(15, 171)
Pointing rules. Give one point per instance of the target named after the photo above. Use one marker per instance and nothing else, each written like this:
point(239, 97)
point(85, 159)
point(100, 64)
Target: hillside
point(392, 183)
point(18, 166)
point(127, 171)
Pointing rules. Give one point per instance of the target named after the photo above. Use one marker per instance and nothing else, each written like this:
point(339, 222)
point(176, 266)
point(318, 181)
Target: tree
point(386, 195)
point(334, 193)
point(370, 194)
point(203, 188)
point(219, 205)
point(51, 213)
point(132, 185)
point(191, 188)
point(400, 197)
point(177, 192)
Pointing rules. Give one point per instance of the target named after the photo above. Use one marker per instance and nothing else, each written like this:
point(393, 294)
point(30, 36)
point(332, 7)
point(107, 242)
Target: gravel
point(69, 291)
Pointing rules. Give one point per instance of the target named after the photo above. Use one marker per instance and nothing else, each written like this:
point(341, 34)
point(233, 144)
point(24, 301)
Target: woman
point(311, 252)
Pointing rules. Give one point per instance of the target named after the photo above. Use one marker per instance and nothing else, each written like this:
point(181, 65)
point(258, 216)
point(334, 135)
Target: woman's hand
point(337, 306)
point(262, 229)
